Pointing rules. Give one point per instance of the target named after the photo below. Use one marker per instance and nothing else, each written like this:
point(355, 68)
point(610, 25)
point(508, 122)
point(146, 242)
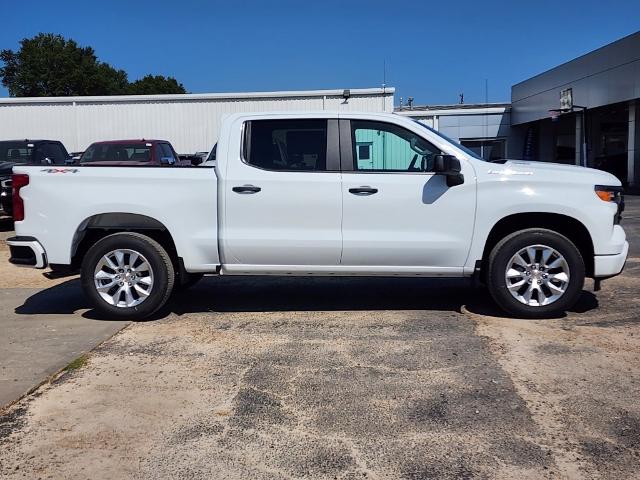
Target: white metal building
point(190, 122)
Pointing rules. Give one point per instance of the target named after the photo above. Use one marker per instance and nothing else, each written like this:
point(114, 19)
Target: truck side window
point(167, 151)
point(158, 152)
point(384, 147)
point(55, 153)
point(39, 155)
point(291, 145)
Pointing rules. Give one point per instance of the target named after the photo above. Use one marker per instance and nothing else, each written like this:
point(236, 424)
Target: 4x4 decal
point(60, 170)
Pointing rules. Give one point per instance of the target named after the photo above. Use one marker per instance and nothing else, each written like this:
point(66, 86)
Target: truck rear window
point(292, 145)
point(18, 152)
point(107, 152)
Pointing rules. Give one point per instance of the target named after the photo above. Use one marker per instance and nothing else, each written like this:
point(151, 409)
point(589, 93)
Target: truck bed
point(71, 199)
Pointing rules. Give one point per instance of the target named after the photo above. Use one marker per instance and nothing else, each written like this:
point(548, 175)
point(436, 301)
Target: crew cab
point(141, 153)
point(367, 194)
point(23, 152)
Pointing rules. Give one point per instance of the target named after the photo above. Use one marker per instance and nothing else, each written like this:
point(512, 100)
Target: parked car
point(203, 155)
point(75, 156)
point(6, 202)
point(131, 153)
point(211, 158)
point(25, 152)
point(192, 158)
point(325, 194)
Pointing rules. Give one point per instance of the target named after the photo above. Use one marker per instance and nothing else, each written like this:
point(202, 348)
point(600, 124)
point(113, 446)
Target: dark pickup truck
point(26, 152)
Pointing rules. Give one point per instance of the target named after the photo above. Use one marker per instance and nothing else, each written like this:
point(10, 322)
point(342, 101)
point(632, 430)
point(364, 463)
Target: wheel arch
point(100, 225)
point(565, 225)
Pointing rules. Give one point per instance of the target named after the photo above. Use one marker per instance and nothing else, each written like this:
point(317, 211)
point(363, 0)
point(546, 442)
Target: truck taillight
point(18, 180)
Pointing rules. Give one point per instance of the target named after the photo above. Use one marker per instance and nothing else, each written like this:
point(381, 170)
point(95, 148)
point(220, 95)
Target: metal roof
point(453, 106)
point(454, 109)
point(353, 92)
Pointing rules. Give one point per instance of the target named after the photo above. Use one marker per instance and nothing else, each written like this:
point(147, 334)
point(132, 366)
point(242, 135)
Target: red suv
point(131, 152)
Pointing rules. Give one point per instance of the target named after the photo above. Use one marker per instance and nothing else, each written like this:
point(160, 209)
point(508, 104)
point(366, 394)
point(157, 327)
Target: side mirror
point(449, 166)
point(167, 161)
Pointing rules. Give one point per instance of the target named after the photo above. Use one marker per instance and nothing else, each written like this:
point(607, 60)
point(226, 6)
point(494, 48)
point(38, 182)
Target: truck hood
point(559, 172)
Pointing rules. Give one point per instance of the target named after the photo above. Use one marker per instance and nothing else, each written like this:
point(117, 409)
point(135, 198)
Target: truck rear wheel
point(535, 273)
point(127, 276)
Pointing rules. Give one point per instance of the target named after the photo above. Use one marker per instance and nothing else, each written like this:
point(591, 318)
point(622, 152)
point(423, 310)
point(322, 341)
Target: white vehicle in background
point(210, 157)
point(324, 194)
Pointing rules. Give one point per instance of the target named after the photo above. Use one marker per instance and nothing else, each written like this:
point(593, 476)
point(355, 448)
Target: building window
point(488, 148)
point(364, 151)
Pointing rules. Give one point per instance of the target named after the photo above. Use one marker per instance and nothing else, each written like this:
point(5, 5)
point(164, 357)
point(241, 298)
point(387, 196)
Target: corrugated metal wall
point(387, 151)
point(189, 122)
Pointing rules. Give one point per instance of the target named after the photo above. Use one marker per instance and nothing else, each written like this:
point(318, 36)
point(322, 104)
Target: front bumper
point(27, 252)
point(610, 265)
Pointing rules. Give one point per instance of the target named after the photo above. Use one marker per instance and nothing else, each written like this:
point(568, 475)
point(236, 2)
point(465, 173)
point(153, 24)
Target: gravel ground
point(282, 378)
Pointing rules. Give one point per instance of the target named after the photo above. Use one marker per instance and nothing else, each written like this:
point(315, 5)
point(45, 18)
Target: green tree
point(48, 65)
point(154, 85)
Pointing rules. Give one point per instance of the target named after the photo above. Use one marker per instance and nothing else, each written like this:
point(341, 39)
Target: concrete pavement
point(41, 334)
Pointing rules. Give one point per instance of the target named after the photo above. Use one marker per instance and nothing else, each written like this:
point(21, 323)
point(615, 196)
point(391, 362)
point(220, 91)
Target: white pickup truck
point(323, 194)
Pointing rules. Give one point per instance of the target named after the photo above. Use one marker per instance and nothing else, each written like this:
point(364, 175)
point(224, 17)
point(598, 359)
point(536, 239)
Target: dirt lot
point(344, 378)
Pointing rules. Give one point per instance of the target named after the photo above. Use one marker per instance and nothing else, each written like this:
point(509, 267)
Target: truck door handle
point(246, 189)
point(362, 191)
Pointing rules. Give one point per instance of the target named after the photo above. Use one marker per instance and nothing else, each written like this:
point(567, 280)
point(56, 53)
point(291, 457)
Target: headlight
point(608, 194)
point(612, 194)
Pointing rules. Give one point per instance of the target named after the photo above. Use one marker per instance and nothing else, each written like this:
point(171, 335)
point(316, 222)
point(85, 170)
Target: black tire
point(512, 244)
point(156, 256)
point(187, 281)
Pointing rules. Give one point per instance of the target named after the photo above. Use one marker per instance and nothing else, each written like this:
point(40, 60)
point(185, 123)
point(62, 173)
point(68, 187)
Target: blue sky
point(433, 50)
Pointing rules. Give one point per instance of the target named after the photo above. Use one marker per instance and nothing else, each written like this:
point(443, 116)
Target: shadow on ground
point(275, 294)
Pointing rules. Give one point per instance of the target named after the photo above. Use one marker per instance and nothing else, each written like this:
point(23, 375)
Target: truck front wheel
point(535, 273)
point(127, 276)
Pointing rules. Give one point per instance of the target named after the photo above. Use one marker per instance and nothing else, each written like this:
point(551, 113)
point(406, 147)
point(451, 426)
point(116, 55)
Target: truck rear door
point(283, 197)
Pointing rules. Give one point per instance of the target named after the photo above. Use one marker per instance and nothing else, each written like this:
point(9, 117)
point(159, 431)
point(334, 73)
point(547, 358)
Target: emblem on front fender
point(508, 171)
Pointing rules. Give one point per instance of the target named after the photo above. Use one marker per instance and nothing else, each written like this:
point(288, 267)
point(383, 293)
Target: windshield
point(469, 152)
point(117, 152)
point(16, 152)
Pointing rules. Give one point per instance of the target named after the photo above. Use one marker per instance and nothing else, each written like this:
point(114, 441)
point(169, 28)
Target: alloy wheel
point(537, 275)
point(123, 278)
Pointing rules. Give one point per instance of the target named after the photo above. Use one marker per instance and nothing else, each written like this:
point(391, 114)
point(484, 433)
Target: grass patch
point(78, 363)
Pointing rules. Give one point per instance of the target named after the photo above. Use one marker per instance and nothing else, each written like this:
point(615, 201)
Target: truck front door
point(398, 216)
point(283, 198)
